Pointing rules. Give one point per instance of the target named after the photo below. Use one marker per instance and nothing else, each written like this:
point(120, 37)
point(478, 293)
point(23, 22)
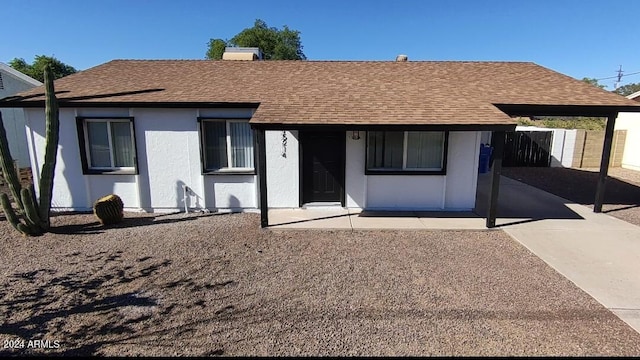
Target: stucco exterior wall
point(462, 170)
point(355, 180)
point(283, 169)
point(13, 118)
point(631, 155)
point(454, 191)
point(168, 150)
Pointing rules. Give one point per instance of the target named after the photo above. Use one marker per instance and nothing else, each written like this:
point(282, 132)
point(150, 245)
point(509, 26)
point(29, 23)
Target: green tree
point(593, 82)
point(216, 49)
point(36, 69)
point(627, 89)
point(275, 44)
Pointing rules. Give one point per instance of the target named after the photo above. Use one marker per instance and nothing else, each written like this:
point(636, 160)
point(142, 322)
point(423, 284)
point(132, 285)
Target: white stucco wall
point(283, 184)
point(168, 150)
point(355, 180)
point(568, 147)
point(462, 170)
point(69, 190)
point(485, 137)
point(631, 155)
point(454, 191)
point(13, 118)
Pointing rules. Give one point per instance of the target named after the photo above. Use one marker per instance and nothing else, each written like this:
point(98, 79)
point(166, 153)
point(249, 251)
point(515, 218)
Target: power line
point(620, 73)
point(615, 77)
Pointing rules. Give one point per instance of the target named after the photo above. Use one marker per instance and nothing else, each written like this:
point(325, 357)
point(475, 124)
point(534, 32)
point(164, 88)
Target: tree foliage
point(216, 49)
point(593, 82)
point(276, 44)
point(36, 69)
point(568, 122)
point(627, 89)
point(622, 90)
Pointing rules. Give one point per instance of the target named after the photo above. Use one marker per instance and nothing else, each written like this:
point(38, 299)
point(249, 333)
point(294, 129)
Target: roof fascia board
point(634, 95)
point(131, 104)
point(565, 110)
point(20, 76)
point(385, 127)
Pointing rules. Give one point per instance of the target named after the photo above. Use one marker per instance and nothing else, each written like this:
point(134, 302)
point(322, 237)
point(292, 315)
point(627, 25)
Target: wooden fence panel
point(527, 148)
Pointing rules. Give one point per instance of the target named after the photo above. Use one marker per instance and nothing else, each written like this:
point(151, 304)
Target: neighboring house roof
point(329, 92)
point(17, 74)
point(635, 96)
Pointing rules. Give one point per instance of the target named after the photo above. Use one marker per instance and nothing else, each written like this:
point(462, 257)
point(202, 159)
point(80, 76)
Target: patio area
point(337, 218)
point(517, 203)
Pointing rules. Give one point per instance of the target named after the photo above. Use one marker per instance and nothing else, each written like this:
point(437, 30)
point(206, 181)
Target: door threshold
point(322, 205)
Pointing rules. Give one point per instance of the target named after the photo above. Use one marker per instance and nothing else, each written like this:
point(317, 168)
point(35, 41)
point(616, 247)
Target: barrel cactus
point(108, 209)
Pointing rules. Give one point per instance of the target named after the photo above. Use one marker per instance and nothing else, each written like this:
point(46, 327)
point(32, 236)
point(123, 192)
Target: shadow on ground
point(100, 305)
point(95, 227)
point(519, 201)
point(576, 185)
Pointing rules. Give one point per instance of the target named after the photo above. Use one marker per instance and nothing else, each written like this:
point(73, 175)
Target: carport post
point(262, 176)
point(604, 162)
point(496, 170)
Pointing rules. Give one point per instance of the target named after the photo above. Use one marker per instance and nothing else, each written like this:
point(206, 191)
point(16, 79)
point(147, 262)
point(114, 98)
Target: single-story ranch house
point(242, 135)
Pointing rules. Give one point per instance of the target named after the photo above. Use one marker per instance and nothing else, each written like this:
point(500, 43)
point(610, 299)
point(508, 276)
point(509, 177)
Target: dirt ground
point(165, 285)
point(622, 195)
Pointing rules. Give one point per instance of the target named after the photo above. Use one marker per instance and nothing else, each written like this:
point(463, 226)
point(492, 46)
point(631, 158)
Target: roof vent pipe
point(402, 58)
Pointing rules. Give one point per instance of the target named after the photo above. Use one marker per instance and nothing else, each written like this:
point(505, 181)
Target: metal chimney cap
point(402, 58)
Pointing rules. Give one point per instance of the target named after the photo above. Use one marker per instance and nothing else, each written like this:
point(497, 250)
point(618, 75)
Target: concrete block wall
point(588, 148)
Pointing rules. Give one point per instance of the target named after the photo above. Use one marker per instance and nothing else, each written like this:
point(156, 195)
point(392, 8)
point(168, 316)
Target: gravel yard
point(218, 285)
point(622, 195)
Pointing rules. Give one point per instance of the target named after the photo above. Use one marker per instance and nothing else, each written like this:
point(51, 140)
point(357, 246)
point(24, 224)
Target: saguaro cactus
point(51, 148)
point(35, 216)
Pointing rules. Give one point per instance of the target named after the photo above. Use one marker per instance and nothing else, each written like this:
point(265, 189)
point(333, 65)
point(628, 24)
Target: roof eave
point(565, 110)
point(18, 75)
point(385, 127)
point(128, 104)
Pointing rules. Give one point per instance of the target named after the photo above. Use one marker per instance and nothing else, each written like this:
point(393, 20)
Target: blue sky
point(576, 37)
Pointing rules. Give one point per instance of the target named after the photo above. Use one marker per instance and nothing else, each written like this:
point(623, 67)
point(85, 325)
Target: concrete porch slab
point(356, 219)
point(386, 220)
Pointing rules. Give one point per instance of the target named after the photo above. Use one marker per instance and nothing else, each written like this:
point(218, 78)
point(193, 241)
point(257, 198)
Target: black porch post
point(262, 176)
point(498, 148)
point(604, 162)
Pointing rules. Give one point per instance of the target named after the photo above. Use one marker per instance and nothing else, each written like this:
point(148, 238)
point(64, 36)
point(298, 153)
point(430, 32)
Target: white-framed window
point(108, 144)
point(406, 151)
point(227, 145)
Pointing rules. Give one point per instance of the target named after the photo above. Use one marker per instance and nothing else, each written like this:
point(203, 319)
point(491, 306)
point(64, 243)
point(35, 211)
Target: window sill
point(110, 172)
point(405, 172)
point(229, 172)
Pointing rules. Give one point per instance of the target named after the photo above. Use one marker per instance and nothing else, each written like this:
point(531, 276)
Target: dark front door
point(322, 166)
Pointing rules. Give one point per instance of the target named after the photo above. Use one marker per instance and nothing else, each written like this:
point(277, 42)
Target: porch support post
point(497, 139)
point(604, 162)
point(262, 176)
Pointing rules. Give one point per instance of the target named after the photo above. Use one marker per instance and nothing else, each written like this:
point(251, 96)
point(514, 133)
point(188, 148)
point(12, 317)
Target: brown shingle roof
point(332, 92)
